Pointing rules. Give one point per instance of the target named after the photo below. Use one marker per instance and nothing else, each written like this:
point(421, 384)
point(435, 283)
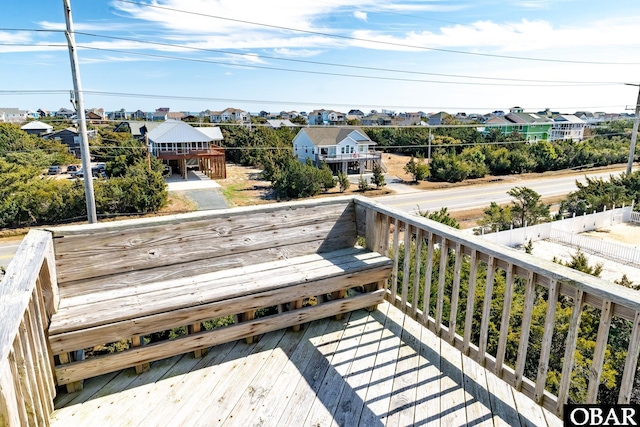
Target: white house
point(229, 115)
point(340, 148)
point(14, 115)
point(567, 127)
point(181, 145)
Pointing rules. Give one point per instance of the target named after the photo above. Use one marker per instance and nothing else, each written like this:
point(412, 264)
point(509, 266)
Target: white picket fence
point(610, 250)
point(567, 231)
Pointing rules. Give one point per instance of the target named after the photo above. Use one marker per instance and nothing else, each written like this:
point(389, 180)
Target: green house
point(531, 126)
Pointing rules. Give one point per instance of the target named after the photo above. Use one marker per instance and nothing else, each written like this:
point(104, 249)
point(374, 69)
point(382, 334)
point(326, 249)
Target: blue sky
point(402, 55)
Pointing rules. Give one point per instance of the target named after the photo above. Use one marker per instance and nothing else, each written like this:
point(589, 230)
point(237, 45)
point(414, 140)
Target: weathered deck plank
point(372, 369)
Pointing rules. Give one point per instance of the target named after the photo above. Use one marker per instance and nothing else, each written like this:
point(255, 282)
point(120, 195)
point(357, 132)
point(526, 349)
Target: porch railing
point(28, 298)
point(500, 306)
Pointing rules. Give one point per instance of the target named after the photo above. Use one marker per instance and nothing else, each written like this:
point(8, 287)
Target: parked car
point(72, 168)
point(55, 170)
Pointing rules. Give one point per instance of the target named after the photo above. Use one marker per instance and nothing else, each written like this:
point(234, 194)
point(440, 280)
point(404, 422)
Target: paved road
point(7, 249)
point(480, 196)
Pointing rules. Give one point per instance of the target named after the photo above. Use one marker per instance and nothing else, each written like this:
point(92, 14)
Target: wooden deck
point(370, 369)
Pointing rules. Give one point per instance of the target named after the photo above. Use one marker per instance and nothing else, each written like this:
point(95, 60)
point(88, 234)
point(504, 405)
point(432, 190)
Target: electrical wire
point(379, 42)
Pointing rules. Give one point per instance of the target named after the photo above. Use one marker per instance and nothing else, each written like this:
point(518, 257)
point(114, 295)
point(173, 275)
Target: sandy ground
point(621, 233)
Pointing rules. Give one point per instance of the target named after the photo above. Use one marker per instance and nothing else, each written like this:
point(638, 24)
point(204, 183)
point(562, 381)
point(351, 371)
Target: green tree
point(378, 176)
point(496, 218)
point(343, 181)
point(417, 168)
point(527, 209)
point(362, 184)
point(442, 216)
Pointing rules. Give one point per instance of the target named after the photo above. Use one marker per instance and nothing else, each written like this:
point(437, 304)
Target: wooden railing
point(489, 301)
point(28, 298)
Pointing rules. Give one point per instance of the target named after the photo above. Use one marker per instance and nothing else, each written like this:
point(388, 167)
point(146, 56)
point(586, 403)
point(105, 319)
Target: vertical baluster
point(486, 309)
point(406, 268)
point(504, 322)
point(631, 364)
point(18, 403)
point(442, 274)
point(455, 291)
point(396, 255)
point(471, 297)
point(38, 359)
point(26, 374)
point(416, 273)
point(529, 297)
point(43, 322)
point(427, 279)
point(545, 351)
point(598, 353)
point(570, 348)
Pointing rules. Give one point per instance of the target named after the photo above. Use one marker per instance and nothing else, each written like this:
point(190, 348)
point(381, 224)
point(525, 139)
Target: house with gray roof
point(341, 148)
point(181, 146)
point(14, 115)
point(36, 127)
point(567, 127)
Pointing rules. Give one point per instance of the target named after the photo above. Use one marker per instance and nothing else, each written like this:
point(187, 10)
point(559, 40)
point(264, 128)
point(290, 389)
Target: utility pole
point(634, 134)
point(148, 147)
point(79, 102)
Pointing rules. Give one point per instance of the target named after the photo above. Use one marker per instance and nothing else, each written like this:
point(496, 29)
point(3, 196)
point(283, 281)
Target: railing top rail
point(194, 216)
point(601, 288)
point(18, 285)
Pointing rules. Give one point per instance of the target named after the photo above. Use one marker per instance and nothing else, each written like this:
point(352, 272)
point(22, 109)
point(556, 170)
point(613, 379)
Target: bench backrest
point(204, 241)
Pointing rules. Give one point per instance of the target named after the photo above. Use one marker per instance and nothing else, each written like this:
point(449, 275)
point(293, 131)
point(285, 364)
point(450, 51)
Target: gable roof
point(213, 132)
point(36, 125)
point(174, 131)
point(332, 135)
point(571, 118)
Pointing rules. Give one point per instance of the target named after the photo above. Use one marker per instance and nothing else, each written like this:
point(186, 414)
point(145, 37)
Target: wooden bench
point(126, 280)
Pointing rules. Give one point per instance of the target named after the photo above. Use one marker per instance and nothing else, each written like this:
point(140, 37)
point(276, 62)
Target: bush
point(417, 169)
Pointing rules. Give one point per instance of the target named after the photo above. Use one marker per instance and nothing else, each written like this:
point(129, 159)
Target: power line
point(379, 42)
point(325, 73)
point(358, 67)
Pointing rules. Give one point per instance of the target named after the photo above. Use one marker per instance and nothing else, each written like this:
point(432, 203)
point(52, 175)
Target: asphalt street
point(479, 196)
point(7, 249)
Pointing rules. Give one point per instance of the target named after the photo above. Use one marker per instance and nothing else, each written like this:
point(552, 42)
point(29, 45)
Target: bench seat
point(106, 316)
point(129, 281)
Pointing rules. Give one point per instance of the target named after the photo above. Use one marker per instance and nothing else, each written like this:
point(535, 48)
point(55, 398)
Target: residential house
point(71, 138)
point(121, 114)
point(38, 128)
point(182, 146)
point(160, 115)
point(139, 115)
point(93, 117)
point(230, 115)
point(65, 113)
point(13, 115)
point(567, 127)
point(43, 113)
point(409, 119)
point(357, 114)
point(277, 124)
point(326, 117)
point(341, 148)
point(531, 126)
point(376, 119)
point(440, 118)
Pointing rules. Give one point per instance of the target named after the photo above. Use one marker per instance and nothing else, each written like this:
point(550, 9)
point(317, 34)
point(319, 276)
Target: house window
point(341, 150)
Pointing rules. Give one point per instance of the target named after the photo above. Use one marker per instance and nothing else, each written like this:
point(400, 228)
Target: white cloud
point(360, 15)
point(297, 53)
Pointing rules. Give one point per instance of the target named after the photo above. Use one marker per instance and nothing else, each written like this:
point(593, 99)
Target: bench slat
point(192, 291)
point(74, 340)
point(77, 371)
point(99, 253)
point(109, 288)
